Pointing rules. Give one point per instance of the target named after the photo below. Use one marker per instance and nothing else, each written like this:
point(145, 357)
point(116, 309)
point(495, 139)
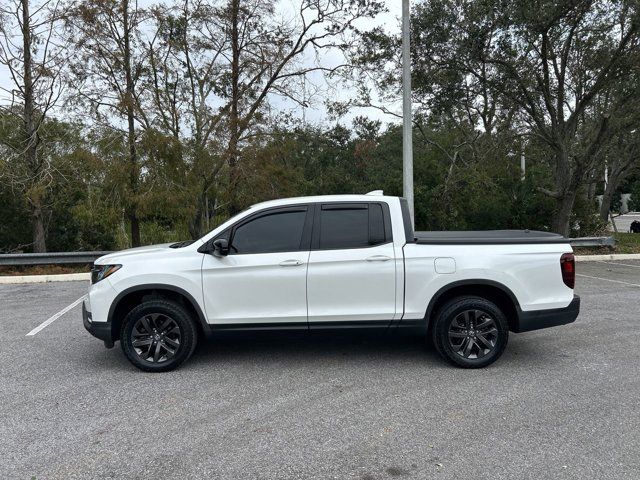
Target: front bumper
point(537, 319)
point(101, 330)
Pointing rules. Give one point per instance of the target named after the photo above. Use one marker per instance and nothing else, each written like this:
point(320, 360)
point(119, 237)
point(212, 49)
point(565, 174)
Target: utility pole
point(407, 141)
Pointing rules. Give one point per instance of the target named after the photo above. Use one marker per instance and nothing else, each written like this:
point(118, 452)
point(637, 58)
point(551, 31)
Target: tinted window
point(278, 232)
point(344, 227)
point(376, 224)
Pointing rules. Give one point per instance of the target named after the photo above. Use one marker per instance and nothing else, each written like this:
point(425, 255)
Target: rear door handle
point(377, 258)
point(291, 263)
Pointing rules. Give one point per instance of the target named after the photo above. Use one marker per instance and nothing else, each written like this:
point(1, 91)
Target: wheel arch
point(132, 296)
point(496, 292)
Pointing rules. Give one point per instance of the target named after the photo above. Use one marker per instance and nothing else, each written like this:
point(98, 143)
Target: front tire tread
point(179, 314)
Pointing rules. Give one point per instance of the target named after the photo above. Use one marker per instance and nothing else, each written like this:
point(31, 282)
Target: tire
point(470, 332)
point(158, 327)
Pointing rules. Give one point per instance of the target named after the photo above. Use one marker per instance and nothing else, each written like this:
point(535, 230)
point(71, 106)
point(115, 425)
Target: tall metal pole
point(407, 144)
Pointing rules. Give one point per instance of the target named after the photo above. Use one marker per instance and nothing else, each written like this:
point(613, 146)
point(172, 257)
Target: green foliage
point(585, 221)
point(458, 185)
point(481, 92)
point(502, 77)
point(15, 231)
point(309, 161)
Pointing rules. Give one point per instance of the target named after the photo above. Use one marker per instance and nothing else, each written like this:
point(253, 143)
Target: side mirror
point(221, 247)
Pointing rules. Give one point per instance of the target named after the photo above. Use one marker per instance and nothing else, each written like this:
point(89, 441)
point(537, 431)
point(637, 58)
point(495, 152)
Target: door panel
point(263, 279)
point(256, 288)
point(352, 285)
point(352, 266)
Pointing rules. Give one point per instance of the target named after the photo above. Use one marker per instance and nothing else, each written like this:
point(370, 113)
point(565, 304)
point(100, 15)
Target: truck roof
point(372, 196)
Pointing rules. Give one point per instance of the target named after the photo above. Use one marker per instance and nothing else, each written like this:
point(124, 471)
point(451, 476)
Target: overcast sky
point(316, 112)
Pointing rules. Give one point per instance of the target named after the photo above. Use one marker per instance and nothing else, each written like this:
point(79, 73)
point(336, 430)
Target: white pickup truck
point(332, 262)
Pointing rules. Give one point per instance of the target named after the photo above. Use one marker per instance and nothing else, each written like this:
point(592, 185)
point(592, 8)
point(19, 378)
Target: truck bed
point(488, 237)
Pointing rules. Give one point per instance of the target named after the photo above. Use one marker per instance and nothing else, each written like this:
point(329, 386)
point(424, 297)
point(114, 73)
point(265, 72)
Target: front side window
point(276, 232)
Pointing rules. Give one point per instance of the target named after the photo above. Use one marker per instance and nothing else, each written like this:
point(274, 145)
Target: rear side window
point(351, 226)
point(277, 232)
point(376, 224)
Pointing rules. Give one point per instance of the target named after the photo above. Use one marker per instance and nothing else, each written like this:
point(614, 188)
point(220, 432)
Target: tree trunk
point(591, 192)
point(197, 221)
point(135, 229)
point(234, 127)
point(31, 136)
point(566, 190)
point(37, 220)
point(131, 133)
point(605, 205)
point(195, 225)
point(562, 217)
point(619, 173)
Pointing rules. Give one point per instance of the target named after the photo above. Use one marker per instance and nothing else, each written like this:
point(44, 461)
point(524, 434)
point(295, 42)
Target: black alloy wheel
point(473, 334)
point(158, 335)
point(470, 331)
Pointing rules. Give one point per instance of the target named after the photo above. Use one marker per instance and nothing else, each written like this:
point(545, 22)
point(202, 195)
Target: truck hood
point(133, 253)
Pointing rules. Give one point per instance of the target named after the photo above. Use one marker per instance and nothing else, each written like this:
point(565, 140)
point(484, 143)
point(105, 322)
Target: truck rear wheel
point(158, 335)
point(470, 332)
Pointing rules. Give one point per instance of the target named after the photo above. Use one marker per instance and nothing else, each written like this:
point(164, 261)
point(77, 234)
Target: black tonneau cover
point(488, 237)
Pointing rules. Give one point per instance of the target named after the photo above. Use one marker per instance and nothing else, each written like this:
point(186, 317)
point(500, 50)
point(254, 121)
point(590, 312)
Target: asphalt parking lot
point(561, 403)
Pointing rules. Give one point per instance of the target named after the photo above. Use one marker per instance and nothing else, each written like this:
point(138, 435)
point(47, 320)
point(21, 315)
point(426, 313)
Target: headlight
point(100, 272)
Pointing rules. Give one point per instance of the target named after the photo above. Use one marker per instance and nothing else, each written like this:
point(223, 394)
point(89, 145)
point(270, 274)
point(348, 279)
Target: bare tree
point(217, 65)
point(267, 55)
point(183, 90)
point(107, 69)
point(32, 53)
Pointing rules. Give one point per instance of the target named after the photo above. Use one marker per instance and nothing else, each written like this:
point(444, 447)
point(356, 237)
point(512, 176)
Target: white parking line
point(622, 264)
point(52, 319)
point(608, 280)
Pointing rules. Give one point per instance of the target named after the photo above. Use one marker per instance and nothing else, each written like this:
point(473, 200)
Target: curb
point(66, 277)
point(612, 256)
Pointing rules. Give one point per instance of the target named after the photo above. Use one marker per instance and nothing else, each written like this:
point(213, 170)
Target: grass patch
point(44, 270)
point(625, 243)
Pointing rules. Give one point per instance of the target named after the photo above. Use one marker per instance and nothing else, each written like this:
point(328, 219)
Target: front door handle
point(291, 263)
point(378, 258)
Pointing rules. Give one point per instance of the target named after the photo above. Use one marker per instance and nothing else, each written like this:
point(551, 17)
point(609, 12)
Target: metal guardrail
point(593, 242)
point(56, 258)
point(71, 258)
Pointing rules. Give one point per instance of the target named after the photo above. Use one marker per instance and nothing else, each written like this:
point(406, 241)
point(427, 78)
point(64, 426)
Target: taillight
point(568, 268)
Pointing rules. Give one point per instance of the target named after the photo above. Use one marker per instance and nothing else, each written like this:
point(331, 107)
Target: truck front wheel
point(470, 332)
point(158, 335)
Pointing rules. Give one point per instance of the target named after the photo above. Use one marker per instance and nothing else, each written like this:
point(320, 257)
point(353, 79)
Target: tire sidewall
point(448, 313)
point(179, 315)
